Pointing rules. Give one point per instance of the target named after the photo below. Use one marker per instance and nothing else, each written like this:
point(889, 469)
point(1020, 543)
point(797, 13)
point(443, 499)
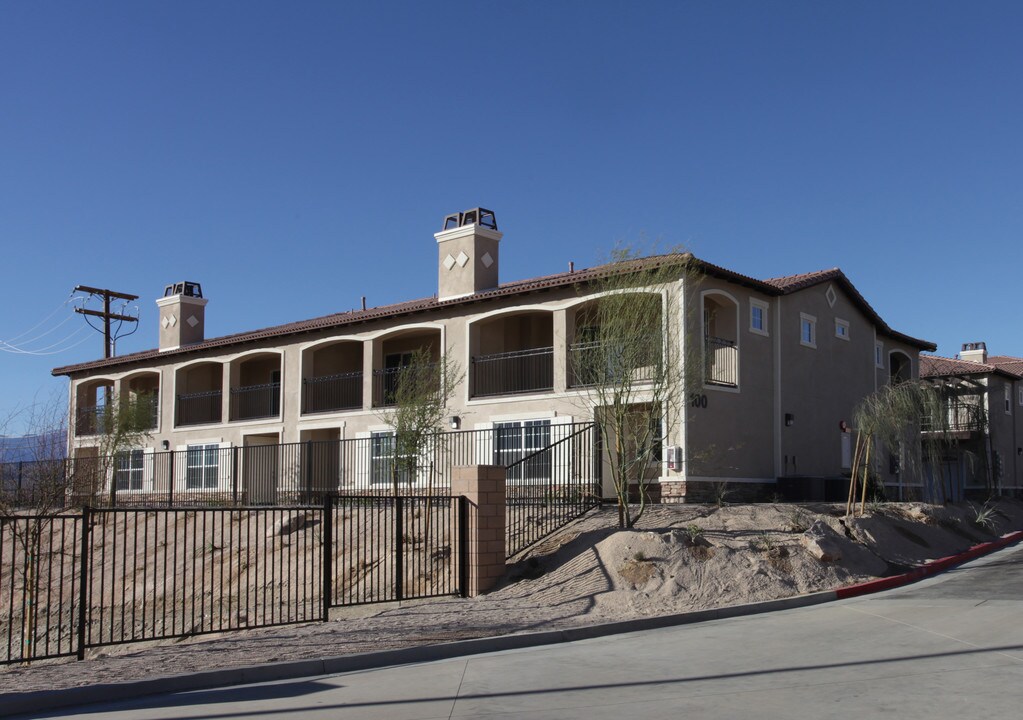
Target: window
point(807, 330)
point(202, 466)
point(1021, 396)
point(128, 470)
point(1008, 399)
point(515, 442)
point(879, 354)
point(841, 329)
point(382, 457)
point(758, 317)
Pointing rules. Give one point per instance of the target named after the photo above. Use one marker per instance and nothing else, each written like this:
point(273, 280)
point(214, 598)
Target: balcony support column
point(369, 351)
point(225, 393)
point(564, 330)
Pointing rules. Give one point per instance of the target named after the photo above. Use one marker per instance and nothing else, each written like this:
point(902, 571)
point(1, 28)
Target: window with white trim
point(514, 441)
point(879, 354)
point(841, 329)
point(129, 469)
point(758, 317)
point(1021, 396)
point(382, 453)
point(807, 330)
point(202, 466)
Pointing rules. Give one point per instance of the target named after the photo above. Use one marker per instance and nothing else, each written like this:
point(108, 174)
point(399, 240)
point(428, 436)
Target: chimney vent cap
point(475, 216)
point(190, 289)
point(967, 347)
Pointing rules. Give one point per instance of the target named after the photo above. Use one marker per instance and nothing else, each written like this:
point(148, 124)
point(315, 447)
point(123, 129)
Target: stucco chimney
point(467, 254)
point(974, 352)
point(182, 315)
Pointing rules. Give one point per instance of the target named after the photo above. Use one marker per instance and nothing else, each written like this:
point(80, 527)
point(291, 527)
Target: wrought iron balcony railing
point(513, 373)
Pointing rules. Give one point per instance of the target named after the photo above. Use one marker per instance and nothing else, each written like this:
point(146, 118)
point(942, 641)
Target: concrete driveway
point(947, 647)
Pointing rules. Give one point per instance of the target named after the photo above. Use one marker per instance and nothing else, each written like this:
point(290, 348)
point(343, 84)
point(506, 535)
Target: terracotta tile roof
point(1009, 364)
point(775, 286)
point(935, 366)
point(791, 283)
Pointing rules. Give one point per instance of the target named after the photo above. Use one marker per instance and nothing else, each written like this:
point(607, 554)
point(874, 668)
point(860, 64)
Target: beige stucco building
point(783, 362)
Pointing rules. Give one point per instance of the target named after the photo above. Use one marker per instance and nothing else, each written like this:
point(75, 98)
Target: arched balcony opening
point(332, 377)
point(199, 394)
point(93, 401)
point(632, 351)
point(720, 340)
point(512, 354)
point(395, 353)
point(142, 393)
point(256, 387)
point(900, 367)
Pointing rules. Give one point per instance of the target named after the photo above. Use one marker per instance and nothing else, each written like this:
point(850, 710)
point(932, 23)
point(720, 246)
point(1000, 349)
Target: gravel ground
point(586, 574)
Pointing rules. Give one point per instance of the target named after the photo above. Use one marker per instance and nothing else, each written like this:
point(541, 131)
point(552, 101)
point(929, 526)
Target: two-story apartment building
point(783, 362)
point(984, 453)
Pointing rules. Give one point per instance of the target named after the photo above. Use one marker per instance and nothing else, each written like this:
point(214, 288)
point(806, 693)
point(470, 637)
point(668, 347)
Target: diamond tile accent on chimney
point(462, 259)
point(487, 260)
point(192, 321)
point(449, 262)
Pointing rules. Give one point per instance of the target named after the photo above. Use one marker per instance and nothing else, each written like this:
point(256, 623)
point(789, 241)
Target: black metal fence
point(119, 575)
point(212, 475)
point(550, 487)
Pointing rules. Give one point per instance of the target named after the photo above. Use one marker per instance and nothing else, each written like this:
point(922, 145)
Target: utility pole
point(106, 314)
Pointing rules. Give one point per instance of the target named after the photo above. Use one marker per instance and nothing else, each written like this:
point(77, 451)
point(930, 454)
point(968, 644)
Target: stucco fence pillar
point(484, 489)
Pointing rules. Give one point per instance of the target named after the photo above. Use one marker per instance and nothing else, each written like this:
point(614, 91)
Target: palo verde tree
point(422, 390)
point(628, 359)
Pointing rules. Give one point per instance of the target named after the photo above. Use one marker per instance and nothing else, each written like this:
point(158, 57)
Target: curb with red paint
point(931, 568)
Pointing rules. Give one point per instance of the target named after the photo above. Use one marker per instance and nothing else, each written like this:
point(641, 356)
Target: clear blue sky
point(293, 157)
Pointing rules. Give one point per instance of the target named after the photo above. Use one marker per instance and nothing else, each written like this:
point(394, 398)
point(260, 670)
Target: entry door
point(260, 469)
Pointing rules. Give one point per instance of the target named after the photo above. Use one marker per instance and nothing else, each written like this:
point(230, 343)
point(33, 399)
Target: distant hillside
point(32, 447)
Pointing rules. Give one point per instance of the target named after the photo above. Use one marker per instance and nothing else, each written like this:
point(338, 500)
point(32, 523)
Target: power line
point(106, 314)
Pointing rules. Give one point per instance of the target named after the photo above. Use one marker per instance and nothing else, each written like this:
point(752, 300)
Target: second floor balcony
point(256, 402)
point(90, 419)
point(513, 373)
point(199, 408)
point(341, 391)
point(601, 363)
point(721, 358)
point(142, 413)
point(392, 385)
point(959, 416)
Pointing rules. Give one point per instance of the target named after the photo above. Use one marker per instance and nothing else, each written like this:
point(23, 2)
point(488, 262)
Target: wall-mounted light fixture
point(165, 444)
point(456, 422)
point(790, 419)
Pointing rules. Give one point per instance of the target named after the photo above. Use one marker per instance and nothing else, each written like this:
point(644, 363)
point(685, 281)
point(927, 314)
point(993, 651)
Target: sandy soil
point(679, 558)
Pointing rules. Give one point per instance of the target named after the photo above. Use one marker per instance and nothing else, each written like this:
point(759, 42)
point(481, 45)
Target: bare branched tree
point(44, 483)
point(628, 358)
